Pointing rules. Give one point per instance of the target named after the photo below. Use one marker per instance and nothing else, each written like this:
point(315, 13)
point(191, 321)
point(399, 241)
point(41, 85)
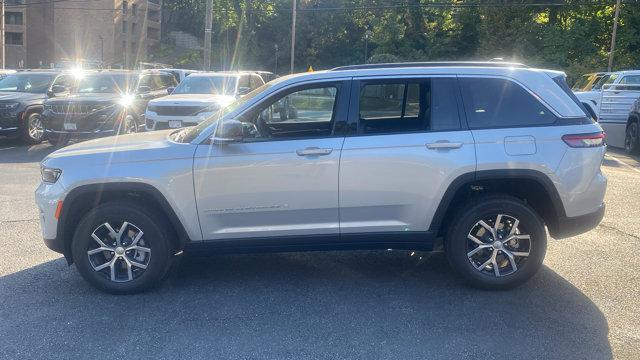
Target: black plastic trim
point(64, 237)
point(414, 240)
point(469, 178)
point(571, 226)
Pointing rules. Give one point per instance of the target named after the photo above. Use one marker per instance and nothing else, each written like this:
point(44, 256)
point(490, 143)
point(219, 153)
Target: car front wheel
point(496, 242)
point(121, 248)
point(33, 129)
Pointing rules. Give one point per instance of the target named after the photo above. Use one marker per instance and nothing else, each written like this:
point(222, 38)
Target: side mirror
point(244, 91)
point(144, 89)
point(170, 90)
point(56, 90)
point(229, 131)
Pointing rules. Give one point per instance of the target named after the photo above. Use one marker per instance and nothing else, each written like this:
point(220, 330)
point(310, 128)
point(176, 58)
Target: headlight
point(126, 100)
point(152, 108)
point(50, 175)
point(12, 105)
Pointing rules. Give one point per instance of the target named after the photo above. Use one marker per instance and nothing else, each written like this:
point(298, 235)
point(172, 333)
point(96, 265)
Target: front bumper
point(47, 197)
point(87, 126)
point(161, 122)
point(572, 226)
point(9, 123)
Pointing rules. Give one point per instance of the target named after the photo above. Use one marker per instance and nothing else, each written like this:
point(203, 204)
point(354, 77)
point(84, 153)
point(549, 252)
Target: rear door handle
point(314, 151)
point(444, 145)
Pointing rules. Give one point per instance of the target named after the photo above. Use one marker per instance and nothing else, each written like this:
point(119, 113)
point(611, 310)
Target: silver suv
point(480, 158)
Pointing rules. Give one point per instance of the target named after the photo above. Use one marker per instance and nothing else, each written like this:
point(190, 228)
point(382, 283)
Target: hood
point(141, 147)
point(20, 96)
point(193, 99)
point(85, 98)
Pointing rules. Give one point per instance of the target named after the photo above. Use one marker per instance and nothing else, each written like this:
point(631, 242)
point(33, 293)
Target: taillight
point(585, 140)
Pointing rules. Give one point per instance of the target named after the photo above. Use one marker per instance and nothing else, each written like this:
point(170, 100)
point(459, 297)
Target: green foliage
point(573, 38)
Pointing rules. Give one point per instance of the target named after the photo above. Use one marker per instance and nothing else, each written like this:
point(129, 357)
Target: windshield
point(582, 82)
point(215, 85)
point(190, 133)
point(27, 83)
point(106, 83)
point(600, 82)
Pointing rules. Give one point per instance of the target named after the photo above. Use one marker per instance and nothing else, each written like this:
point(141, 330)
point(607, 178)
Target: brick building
point(116, 32)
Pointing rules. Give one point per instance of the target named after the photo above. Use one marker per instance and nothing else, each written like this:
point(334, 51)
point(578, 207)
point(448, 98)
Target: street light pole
point(275, 69)
point(4, 47)
point(293, 35)
point(367, 34)
point(613, 35)
point(207, 35)
point(101, 49)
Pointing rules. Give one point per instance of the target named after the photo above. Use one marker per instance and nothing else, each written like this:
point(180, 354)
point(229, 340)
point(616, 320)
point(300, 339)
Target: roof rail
point(430, 64)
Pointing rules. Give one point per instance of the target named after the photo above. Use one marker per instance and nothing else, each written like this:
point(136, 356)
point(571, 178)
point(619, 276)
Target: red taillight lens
point(585, 140)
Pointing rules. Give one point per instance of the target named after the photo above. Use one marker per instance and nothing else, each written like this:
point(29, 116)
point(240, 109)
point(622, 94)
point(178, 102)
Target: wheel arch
point(531, 186)
point(82, 199)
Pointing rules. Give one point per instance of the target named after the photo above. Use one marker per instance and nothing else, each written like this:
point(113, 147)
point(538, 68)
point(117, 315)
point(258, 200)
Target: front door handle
point(314, 151)
point(444, 145)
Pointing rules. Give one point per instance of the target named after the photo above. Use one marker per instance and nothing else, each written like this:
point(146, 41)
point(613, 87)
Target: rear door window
point(413, 105)
point(493, 103)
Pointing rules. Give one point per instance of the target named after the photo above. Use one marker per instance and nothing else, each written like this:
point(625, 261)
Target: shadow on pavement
point(15, 151)
point(360, 304)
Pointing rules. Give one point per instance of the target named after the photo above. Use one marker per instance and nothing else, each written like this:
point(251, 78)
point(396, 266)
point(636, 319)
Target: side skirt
point(423, 241)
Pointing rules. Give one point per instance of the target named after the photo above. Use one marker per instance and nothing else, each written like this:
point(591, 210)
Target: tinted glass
point(215, 85)
point(501, 103)
point(630, 80)
point(305, 113)
point(444, 107)
point(29, 83)
point(105, 83)
point(417, 105)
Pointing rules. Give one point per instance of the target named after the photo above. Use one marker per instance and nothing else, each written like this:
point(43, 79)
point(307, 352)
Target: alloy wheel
point(121, 255)
point(498, 246)
point(35, 127)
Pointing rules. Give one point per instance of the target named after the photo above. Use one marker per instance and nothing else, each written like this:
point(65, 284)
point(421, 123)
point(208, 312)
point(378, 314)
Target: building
point(115, 32)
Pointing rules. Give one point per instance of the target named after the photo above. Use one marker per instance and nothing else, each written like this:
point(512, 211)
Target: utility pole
point(293, 35)
point(207, 35)
point(4, 47)
point(275, 70)
point(613, 35)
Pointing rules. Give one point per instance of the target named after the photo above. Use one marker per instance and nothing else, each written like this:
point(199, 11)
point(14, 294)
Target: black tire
point(57, 140)
point(458, 245)
point(155, 237)
point(632, 139)
point(129, 125)
point(32, 130)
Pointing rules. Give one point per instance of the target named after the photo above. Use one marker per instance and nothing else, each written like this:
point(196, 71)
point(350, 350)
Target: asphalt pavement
point(583, 304)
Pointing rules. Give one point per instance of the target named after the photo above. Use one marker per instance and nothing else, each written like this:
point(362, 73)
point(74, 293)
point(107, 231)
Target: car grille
point(179, 110)
point(74, 109)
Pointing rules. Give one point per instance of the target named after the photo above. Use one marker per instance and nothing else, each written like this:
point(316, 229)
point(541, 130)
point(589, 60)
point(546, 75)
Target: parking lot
point(362, 304)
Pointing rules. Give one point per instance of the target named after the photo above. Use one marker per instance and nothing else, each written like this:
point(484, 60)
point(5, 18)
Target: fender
point(509, 174)
point(100, 188)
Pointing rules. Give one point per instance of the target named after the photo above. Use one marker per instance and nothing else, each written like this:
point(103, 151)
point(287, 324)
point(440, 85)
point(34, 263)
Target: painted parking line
point(9, 148)
point(622, 163)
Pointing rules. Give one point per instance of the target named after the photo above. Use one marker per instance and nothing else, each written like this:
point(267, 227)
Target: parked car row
point(64, 105)
point(612, 99)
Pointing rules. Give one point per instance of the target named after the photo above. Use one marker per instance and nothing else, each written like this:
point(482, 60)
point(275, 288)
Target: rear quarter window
point(492, 103)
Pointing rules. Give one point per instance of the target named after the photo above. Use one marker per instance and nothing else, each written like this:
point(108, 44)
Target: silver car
point(482, 158)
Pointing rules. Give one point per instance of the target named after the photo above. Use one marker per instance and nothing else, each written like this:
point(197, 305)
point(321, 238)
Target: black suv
point(104, 103)
point(21, 99)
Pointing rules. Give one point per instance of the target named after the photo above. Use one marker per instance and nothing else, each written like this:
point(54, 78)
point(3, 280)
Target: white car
point(591, 98)
point(197, 98)
point(482, 158)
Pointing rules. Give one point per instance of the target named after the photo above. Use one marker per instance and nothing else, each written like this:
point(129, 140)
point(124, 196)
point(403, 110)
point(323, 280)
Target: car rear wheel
point(121, 248)
point(496, 242)
point(33, 129)
point(632, 139)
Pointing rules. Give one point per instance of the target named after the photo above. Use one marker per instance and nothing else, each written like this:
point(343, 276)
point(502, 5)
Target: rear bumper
point(572, 226)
